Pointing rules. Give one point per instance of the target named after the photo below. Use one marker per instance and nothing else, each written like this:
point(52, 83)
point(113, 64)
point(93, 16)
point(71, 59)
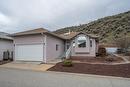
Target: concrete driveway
point(26, 78)
point(36, 66)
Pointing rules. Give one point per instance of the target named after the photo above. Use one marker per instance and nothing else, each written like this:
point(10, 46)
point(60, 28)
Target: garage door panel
point(29, 52)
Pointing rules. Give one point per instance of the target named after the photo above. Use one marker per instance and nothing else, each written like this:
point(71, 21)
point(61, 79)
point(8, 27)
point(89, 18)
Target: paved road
point(23, 78)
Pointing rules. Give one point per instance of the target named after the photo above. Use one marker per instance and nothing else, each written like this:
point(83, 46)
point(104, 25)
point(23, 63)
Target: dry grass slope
point(108, 28)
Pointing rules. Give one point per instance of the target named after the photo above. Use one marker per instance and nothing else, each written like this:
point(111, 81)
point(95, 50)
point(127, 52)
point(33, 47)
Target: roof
point(35, 31)
point(73, 34)
point(5, 36)
point(51, 33)
point(62, 36)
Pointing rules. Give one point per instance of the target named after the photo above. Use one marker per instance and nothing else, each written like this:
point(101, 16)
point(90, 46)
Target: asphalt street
point(26, 78)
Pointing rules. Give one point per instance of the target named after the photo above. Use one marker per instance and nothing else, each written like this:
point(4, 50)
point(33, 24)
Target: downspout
point(14, 50)
point(44, 47)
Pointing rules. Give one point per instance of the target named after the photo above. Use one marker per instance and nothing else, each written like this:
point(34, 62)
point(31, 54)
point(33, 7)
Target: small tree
point(102, 51)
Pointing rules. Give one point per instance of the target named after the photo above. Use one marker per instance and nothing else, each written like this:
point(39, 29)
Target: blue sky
point(20, 15)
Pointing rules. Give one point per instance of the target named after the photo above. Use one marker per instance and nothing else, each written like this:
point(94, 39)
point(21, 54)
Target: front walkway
point(123, 57)
point(28, 66)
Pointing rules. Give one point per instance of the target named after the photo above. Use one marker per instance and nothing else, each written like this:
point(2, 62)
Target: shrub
point(67, 63)
point(102, 51)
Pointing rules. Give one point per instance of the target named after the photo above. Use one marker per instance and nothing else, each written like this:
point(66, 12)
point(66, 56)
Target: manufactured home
point(43, 45)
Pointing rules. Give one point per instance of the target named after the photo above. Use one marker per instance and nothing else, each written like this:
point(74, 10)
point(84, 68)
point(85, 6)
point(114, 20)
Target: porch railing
point(68, 52)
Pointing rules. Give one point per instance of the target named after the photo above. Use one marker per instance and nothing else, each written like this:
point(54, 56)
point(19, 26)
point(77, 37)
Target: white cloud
point(4, 19)
point(7, 23)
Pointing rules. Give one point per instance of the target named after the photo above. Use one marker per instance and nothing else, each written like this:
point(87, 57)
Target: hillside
point(108, 28)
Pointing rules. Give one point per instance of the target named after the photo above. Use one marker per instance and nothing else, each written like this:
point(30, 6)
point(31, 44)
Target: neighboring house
point(43, 45)
point(6, 43)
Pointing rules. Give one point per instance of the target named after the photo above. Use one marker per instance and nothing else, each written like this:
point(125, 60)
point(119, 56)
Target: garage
point(30, 52)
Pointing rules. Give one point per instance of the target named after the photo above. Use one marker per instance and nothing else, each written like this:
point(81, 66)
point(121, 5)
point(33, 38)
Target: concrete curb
point(89, 75)
point(75, 74)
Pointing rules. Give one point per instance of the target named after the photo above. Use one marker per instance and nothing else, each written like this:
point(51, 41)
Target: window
point(81, 41)
point(57, 47)
point(90, 42)
point(74, 44)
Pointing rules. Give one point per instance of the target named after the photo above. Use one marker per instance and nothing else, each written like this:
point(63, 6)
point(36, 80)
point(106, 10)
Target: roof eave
point(6, 39)
point(14, 35)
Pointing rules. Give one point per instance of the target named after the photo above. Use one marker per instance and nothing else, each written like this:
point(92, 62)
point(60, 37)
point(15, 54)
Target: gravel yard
point(122, 70)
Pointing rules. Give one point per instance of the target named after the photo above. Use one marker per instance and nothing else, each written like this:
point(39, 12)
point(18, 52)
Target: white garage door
point(29, 52)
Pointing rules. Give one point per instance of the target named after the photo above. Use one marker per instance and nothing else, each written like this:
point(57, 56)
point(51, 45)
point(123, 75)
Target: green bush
point(67, 63)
